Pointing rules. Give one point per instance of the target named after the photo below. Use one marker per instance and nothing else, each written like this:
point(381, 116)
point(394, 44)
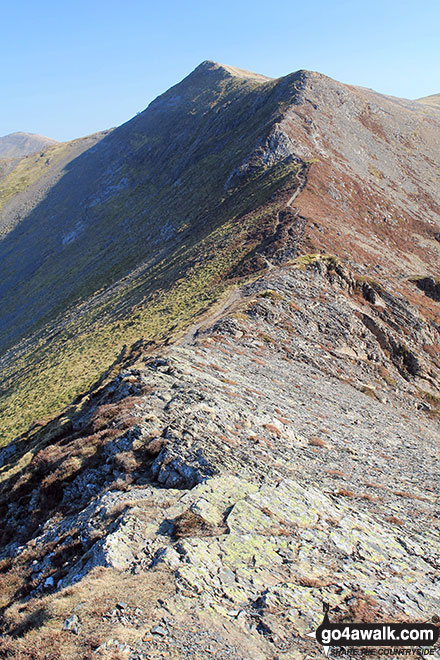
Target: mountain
point(17, 145)
point(220, 339)
point(123, 211)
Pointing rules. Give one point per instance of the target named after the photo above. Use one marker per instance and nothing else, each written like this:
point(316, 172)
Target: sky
point(73, 68)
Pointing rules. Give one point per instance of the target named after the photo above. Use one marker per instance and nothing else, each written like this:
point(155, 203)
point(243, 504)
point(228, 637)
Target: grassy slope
point(17, 145)
point(212, 233)
point(50, 375)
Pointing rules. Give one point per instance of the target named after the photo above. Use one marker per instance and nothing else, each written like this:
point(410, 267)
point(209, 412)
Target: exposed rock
point(73, 624)
point(430, 286)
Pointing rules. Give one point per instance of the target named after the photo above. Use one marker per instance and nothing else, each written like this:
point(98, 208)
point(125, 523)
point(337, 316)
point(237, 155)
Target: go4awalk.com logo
point(355, 635)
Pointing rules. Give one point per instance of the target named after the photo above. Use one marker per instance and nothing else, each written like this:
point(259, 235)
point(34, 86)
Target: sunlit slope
point(433, 99)
point(133, 232)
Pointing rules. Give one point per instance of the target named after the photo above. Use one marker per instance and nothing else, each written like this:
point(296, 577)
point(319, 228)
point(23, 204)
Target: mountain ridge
point(231, 136)
point(220, 374)
point(433, 99)
point(212, 66)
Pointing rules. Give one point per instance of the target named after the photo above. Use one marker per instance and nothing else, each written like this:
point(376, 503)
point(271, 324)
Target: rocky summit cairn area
point(232, 418)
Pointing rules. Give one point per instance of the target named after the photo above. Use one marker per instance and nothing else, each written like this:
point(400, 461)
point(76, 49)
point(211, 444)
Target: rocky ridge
point(276, 446)
point(278, 456)
point(141, 229)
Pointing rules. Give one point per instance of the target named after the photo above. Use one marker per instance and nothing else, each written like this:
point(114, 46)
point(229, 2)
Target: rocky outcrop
point(428, 285)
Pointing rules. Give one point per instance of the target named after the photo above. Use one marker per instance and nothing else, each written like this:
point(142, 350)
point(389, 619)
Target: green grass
point(270, 294)
point(307, 259)
point(377, 286)
point(432, 399)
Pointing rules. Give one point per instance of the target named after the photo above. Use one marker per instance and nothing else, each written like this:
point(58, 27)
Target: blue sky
point(72, 68)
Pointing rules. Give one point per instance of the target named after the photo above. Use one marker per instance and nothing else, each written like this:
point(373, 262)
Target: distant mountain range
point(17, 145)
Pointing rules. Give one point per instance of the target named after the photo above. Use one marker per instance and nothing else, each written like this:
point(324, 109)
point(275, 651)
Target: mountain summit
point(219, 373)
point(208, 66)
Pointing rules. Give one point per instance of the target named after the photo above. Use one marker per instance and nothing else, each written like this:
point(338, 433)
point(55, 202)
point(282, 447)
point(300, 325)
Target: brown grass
point(314, 441)
point(410, 496)
point(394, 520)
point(336, 473)
point(228, 440)
point(190, 524)
point(217, 368)
point(228, 381)
point(362, 607)
point(342, 492)
point(385, 375)
point(274, 430)
point(40, 621)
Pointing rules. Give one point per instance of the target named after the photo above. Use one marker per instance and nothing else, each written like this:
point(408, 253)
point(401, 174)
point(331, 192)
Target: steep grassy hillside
point(130, 197)
point(25, 182)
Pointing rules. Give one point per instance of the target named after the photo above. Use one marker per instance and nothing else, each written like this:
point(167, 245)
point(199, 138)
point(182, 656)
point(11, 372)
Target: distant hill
point(434, 99)
point(17, 145)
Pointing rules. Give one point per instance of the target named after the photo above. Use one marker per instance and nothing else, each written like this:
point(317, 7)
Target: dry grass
point(410, 496)
point(342, 492)
point(369, 391)
point(217, 368)
point(385, 375)
point(314, 441)
point(228, 440)
point(394, 520)
point(35, 627)
point(45, 479)
point(273, 430)
point(336, 473)
point(362, 607)
point(190, 524)
point(313, 583)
